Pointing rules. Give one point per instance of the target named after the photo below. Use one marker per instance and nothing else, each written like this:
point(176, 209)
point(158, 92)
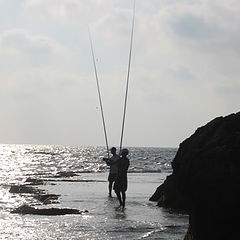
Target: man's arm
point(113, 162)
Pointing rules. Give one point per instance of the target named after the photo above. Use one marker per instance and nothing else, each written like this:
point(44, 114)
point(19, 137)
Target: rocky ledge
point(31, 191)
point(206, 180)
point(26, 209)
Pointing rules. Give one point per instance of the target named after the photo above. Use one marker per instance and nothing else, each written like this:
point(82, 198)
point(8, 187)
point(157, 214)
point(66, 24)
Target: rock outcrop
point(25, 188)
point(26, 209)
point(36, 193)
point(43, 197)
point(206, 180)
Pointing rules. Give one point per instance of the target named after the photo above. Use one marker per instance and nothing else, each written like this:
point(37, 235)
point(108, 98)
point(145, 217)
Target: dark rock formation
point(168, 195)
point(35, 181)
point(47, 198)
point(25, 189)
point(36, 193)
point(25, 209)
point(73, 180)
point(41, 196)
point(66, 174)
point(206, 180)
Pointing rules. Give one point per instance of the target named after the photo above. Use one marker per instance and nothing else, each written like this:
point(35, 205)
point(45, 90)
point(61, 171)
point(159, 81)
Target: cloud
point(193, 27)
point(36, 68)
point(185, 66)
point(34, 49)
point(207, 24)
point(67, 11)
point(202, 38)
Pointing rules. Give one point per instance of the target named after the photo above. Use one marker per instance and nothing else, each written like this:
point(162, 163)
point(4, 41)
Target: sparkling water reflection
point(141, 219)
point(20, 161)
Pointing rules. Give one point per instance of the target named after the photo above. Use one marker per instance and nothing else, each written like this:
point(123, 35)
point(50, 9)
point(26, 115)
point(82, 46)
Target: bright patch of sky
point(185, 69)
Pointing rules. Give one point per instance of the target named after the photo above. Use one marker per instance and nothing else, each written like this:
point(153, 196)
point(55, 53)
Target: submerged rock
point(26, 209)
point(66, 174)
point(74, 180)
point(35, 181)
point(205, 181)
point(25, 189)
point(36, 193)
point(47, 198)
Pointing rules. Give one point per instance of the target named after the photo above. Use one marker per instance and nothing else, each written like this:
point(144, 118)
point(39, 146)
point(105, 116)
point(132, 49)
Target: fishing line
point(99, 93)
point(128, 76)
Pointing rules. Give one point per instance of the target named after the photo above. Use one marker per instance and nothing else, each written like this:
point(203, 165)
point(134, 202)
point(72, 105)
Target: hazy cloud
point(185, 69)
point(19, 41)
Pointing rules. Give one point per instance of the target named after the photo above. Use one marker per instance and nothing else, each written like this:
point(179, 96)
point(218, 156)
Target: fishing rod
point(128, 76)
point(99, 94)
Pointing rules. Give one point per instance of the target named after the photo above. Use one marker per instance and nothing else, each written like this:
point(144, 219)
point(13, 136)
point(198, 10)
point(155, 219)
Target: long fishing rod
point(128, 76)
point(99, 93)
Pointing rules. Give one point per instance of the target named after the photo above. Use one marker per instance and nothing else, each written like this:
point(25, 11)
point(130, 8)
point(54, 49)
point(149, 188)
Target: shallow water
point(140, 220)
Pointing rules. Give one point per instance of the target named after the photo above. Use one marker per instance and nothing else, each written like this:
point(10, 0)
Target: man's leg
point(119, 198)
point(110, 188)
point(123, 199)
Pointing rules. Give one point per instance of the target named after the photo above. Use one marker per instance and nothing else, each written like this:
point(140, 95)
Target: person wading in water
point(112, 162)
point(121, 183)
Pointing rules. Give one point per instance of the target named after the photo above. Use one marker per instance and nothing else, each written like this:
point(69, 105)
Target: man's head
point(124, 152)
point(113, 150)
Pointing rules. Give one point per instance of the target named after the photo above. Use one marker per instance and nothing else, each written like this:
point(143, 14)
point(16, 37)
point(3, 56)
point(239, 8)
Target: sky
point(184, 70)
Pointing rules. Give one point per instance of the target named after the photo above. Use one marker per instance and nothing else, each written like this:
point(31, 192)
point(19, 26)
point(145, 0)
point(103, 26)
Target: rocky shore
point(31, 190)
point(206, 180)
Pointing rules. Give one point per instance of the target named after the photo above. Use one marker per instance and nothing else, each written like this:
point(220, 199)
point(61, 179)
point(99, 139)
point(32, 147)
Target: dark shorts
point(112, 177)
point(121, 184)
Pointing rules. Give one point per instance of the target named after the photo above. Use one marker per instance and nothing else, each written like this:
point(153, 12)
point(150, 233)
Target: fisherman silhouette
point(121, 183)
point(112, 162)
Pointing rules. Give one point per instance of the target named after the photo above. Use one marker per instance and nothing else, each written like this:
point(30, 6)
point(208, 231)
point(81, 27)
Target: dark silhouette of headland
point(206, 180)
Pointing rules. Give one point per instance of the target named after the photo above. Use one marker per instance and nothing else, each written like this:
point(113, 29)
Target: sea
point(86, 190)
